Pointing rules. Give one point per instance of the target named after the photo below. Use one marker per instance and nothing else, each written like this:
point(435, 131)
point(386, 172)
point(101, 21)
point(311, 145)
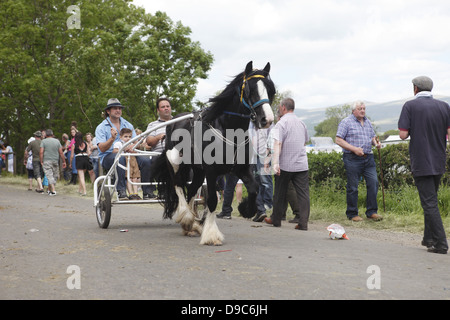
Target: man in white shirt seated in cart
point(107, 133)
point(156, 139)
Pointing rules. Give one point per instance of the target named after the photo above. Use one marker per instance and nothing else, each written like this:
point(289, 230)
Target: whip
point(381, 173)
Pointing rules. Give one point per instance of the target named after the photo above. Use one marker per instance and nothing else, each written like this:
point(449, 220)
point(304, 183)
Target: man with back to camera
point(50, 155)
point(427, 122)
point(290, 163)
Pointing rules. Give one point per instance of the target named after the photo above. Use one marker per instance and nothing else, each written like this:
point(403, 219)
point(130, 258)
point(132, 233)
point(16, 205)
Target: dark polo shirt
point(427, 121)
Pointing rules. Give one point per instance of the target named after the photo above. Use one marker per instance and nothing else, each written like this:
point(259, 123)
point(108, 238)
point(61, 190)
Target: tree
point(329, 126)
point(54, 71)
point(279, 96)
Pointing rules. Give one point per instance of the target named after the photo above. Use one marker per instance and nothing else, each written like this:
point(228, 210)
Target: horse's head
point(248, 96)
point(257, 93)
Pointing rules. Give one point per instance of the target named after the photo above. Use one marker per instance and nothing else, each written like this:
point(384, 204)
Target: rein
point(236, 146)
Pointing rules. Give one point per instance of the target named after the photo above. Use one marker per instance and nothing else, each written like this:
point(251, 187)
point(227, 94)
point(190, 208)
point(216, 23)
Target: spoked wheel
point(103, 208)
point(203, 195)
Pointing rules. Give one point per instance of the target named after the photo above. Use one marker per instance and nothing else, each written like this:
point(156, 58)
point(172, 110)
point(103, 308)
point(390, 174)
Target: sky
point(324, 52)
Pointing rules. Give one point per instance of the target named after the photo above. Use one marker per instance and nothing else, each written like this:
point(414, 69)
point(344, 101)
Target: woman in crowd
point(73, 131)
point(81, 151)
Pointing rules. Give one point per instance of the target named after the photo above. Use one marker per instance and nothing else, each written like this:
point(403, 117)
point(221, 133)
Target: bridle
point(251, 116)
point(250, 107)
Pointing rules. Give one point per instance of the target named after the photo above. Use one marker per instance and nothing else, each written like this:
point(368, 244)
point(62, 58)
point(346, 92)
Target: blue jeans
point(95, 166)
point(356, 167)
point(74, 166)
point(266, 184)
point(228, 195)
point(144, 164)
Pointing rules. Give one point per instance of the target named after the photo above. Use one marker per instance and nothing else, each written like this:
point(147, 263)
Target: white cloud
point(325, 52)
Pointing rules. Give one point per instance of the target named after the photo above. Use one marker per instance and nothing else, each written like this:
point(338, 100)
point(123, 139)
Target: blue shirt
point(103, 134)
point(360, 136)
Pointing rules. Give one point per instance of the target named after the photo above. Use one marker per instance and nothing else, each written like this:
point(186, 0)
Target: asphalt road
point(52, 248)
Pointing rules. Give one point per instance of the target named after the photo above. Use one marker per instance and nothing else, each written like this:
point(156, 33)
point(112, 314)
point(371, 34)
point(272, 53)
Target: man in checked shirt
point(356, 136)
point(290, 163)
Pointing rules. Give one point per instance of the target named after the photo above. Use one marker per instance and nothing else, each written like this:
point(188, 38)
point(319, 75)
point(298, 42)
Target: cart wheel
point(203, 194)
point(103, 208)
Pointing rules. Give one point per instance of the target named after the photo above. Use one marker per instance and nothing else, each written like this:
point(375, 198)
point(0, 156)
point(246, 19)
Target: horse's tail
point(164, 175)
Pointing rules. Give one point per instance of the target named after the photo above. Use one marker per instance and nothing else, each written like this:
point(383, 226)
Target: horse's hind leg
point(184, 215)
point(197, 182)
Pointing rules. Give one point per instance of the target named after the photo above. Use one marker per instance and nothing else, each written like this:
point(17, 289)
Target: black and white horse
point(213, 143)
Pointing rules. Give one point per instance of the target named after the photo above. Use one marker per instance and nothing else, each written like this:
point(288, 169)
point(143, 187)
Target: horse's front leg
point(252, 189)
point(211, 234)
point(183, 213)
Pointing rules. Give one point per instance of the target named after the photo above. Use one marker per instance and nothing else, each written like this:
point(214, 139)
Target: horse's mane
point(231, 95)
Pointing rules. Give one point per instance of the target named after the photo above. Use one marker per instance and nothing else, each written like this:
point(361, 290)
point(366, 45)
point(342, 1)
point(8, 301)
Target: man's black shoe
point(295, 220)
point(259, 217)
point(223, 216)
point(437, 250)
point(122, 195)
point(428, 244)
point(149, 196)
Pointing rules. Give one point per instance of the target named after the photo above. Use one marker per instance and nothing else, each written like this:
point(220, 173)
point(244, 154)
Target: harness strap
point(249, 107)
point(246, 116)
point(257, 104)
point(245, 81)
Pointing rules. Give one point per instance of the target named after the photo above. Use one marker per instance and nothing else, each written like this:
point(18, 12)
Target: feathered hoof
point(192, 230)
point(211, 234)
point(216, 243)
point(192, 233)
point(216, 240)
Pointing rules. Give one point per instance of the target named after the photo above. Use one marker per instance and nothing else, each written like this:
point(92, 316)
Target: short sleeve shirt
point(103, 134)
point(351, 130)
point(51, 149)
point(35, 147)
point(118, 145)
point(293, 135)
point(427, 120)
point(161, 144)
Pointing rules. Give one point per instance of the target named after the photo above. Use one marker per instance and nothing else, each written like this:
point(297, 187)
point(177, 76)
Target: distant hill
point(383, 115)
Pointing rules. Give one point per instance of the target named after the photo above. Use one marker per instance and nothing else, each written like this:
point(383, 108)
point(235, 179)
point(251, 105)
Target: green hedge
point(328, 168)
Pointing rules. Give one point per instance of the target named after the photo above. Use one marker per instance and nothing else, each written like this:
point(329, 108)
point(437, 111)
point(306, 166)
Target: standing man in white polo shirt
point(290, 163)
